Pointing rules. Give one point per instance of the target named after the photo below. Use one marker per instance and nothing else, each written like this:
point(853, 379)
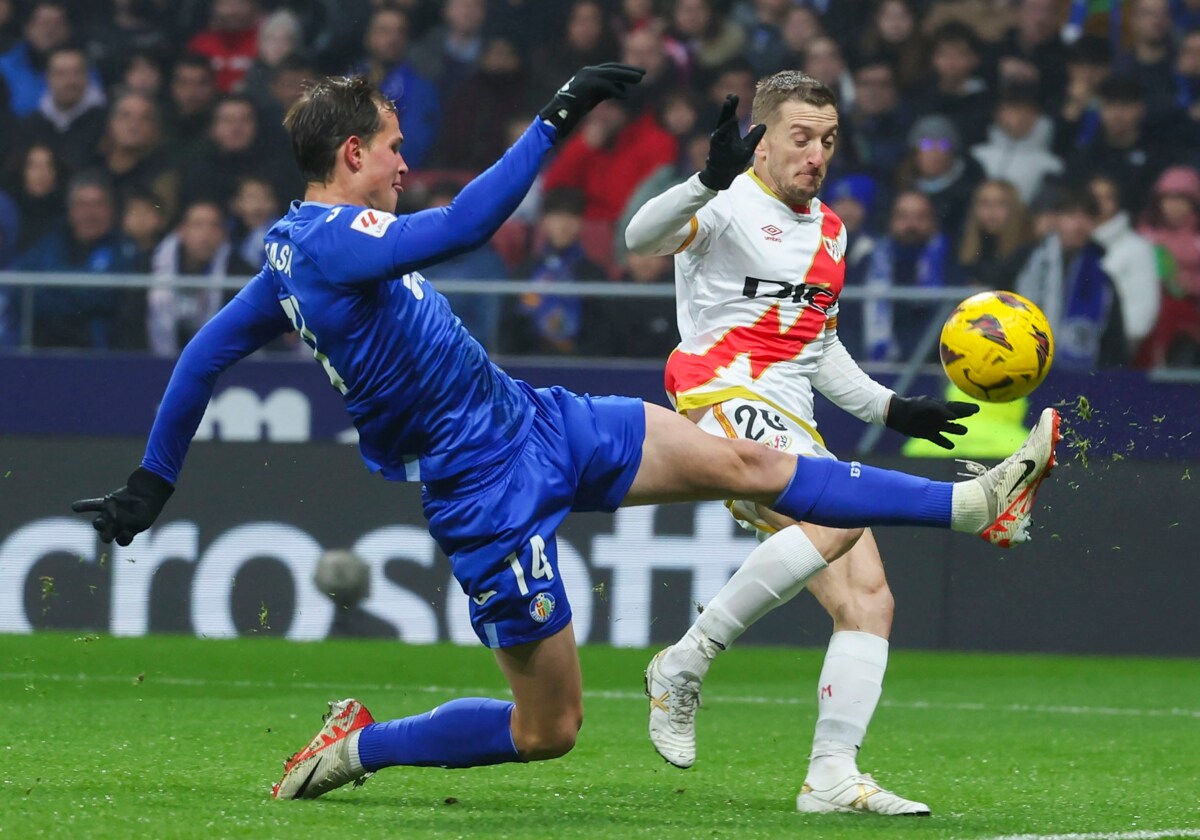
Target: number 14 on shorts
point(540, 566)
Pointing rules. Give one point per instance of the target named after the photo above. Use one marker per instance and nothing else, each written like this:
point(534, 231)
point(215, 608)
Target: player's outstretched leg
point(467, 732)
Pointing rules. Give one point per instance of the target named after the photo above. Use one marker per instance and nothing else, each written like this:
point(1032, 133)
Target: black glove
point(125, 513)
point(587, 89)
point(925, 417)
point(728, 152)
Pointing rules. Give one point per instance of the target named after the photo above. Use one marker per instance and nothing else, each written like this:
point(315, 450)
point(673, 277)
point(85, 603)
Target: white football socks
point(968, 507)
point(847, 694)
point(773, 574)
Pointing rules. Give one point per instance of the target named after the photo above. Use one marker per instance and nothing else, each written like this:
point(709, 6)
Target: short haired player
point(758, 268)
point(500, 463)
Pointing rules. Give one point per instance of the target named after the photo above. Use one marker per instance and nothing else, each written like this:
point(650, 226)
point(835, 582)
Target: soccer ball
point(997, 346)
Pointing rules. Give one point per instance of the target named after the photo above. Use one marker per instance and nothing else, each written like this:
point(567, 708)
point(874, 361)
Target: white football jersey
point(757, 285)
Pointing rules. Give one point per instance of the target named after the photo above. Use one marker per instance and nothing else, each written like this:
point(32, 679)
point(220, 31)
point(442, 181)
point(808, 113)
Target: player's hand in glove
point(587, 89)
point(925, 417)
point(125, 513)
point(729, 152)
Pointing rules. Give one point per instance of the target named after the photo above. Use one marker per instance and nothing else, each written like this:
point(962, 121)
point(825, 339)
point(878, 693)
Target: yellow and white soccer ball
point(997, 346)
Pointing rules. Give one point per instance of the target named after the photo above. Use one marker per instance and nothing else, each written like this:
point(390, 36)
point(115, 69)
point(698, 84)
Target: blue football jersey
point(420, 388)
point(426, 400)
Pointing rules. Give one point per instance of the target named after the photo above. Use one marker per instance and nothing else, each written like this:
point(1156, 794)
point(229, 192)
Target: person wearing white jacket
point(1018, 146)
point(1130, 260)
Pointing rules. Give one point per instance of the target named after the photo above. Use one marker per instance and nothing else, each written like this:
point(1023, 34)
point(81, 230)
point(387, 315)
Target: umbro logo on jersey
point(772, 233)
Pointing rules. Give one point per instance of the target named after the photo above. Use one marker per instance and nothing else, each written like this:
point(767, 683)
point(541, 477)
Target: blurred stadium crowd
point(1044, 145)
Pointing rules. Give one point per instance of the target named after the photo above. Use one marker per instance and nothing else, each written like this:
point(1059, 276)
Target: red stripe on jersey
point(829, 266)
point(764, 342)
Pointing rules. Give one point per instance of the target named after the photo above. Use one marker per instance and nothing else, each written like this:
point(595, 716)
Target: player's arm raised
point(245, 324)
point(431, 236)
point(674, 221)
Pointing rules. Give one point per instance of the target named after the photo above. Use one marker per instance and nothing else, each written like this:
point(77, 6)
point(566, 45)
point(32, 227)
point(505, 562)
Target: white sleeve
point(672, 221)
point(846, 384)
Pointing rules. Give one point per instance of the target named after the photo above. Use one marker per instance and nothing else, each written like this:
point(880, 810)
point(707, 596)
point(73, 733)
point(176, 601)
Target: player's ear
point(353, 151)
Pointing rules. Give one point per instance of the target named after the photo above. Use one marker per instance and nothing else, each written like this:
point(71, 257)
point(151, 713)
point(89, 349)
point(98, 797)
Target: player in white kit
point(758, 269)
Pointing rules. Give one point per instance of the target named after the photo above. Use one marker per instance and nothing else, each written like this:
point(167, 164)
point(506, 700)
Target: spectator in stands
point(1186, 15)
point(199, 247)
point(1151, 59)
point(644, 328)
point(36, 179)
point(1019, 140)
point(144, 223)
point(958, 90)
point(193, 95)
point(938, 167)
point(824, 62)
point(997, 237)
point(1033, 52)
point(387, 64)
point(737, 77)
point(800, 26)
point(586, 39)
point(853, 198)
point(662, 179)
point(91, 243)
point(893, 37)
point(609, 156)
point(132, 28)
point(468, 139)
point(550, 323)
point(763, 21)
point(636, 15)
point(254, 208)
point(1172, 221)
point(24, 66)
point(914, 253)
point(230, 42)
point(1122, 148)
point(70, 117)
point(679, 114)
point(480, 314)
point(145, 71)
point(875, 131)
point(1185, 88)
point(131, 151)
point(1066, 278)
point(1129, 259)
point(232, 150)
point(528, 24)
point(449, 52)
point(10, 33)
point(1078, 118)
point(647, 49)
point(10, 227)
point(280, 36)
point(703, 38)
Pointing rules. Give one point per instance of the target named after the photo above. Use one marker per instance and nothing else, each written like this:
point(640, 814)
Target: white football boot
point(857, 794)
point(673, 705)
point(326, 762)
point(1011, 485)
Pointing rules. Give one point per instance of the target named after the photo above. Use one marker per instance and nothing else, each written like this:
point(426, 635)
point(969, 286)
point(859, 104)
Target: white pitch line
point(1166, 834)
point(731, 699)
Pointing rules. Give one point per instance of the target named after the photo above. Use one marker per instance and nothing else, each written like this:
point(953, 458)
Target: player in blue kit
point(501, 463)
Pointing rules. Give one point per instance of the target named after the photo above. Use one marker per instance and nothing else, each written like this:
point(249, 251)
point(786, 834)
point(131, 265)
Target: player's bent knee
point(549, 739)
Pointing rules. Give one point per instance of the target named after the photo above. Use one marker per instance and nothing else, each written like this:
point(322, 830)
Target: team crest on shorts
point(832, 248)
point(541, 607)
point(779, 441)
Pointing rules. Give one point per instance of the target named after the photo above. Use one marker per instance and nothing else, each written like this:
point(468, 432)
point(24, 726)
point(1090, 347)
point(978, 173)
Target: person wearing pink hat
point(1172, 221)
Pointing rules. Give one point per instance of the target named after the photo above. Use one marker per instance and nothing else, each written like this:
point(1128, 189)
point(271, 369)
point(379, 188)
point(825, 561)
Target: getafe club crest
point(541, 607)
point(832, 248)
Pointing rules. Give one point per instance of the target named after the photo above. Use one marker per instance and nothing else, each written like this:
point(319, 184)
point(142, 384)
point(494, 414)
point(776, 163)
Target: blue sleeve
point(389, 246)
point(245, 324)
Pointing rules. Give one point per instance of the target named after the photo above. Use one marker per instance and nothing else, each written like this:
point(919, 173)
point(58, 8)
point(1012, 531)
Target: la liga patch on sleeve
point(372, 222)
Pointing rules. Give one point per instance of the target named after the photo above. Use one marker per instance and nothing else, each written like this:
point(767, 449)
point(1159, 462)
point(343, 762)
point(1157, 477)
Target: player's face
point(383, 165)
point(795, 152)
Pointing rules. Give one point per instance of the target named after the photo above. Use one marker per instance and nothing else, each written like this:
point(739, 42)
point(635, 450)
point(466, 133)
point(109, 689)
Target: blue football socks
point(469, 732)
point(852, 495)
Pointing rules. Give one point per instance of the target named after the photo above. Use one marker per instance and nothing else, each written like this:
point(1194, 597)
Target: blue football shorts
point(497, 525)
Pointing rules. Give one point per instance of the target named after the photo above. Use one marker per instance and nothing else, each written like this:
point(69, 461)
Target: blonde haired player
point(758, 268)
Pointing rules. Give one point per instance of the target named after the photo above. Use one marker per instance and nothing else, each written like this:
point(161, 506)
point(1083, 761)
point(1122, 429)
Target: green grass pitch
point(182, 737)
